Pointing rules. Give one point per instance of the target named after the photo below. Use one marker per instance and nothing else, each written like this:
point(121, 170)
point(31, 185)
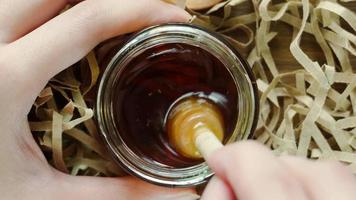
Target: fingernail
point(188, 17)
point(183, 14)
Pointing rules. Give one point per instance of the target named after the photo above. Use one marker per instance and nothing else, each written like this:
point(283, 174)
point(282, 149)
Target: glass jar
point(112, 125)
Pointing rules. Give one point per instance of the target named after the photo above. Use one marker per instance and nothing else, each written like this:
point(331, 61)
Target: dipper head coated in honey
point(186, 118)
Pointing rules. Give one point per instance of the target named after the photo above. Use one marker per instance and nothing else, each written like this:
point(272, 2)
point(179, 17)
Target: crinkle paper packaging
point(308, 111)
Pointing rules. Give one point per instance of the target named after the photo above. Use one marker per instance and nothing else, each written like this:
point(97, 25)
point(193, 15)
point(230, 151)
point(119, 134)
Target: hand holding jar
point(35, 45)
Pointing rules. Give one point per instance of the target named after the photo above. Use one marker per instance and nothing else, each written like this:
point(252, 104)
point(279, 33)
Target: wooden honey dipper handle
point(206, 141)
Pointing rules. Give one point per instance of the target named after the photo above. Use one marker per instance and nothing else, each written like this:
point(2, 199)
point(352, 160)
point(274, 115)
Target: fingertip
point(171, 13)
point(185, 16)
point(182, 15)
point(237, 153)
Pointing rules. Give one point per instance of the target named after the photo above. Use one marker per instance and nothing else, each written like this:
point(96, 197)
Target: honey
point(155, 81)
point(146, 83)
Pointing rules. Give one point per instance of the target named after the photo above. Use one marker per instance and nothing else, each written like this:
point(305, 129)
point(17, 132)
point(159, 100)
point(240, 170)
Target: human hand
point(249, 171)
point(33, 48)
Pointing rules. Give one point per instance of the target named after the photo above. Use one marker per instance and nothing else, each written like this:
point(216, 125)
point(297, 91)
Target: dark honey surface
point(156, 79)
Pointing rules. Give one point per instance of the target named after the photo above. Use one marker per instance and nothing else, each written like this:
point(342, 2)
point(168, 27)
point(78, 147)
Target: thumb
point(140, 14)
point(93, 188)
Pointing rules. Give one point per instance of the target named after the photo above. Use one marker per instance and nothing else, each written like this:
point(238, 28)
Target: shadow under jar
point(154, 70)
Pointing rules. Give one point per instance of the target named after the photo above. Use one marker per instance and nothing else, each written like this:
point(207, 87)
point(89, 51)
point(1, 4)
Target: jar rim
point(188, 176)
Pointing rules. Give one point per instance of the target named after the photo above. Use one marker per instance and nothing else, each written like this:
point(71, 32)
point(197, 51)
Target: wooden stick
point(206, 141)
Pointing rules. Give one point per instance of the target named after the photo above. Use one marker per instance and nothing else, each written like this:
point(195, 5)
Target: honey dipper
point(195, 127)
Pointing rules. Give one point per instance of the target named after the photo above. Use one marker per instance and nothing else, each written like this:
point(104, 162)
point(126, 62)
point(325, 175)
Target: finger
point(218, 189)
point(18, 17)
point(326, 180)
point(253, 172)
point(93, 188)
point(65, 39)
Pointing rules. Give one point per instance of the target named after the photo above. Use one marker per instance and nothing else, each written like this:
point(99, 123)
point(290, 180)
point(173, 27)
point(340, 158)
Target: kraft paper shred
point(310, 111)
